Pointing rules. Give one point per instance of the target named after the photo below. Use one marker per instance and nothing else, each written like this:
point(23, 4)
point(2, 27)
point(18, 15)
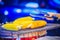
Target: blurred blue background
point(38, 9)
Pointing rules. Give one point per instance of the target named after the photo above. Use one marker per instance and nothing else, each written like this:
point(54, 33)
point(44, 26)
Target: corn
point(26, 24)
point(10, 26)
point(20, 20)
point(38, 23)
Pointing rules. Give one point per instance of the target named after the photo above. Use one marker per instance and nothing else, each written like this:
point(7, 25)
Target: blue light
point(57, 1)
point(18, 10)
point(34, 12)
point(6, 12)
point(48, 10)
point(27, 10)
point(32, 5)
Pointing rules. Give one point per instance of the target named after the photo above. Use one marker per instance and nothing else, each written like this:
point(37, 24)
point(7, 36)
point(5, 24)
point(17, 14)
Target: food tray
point(16, 34)
point(47, 27)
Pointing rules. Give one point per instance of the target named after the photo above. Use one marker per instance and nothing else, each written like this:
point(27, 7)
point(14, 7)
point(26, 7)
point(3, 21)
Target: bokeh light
point(5, 12)
point(17, 10)
point(32, 5)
